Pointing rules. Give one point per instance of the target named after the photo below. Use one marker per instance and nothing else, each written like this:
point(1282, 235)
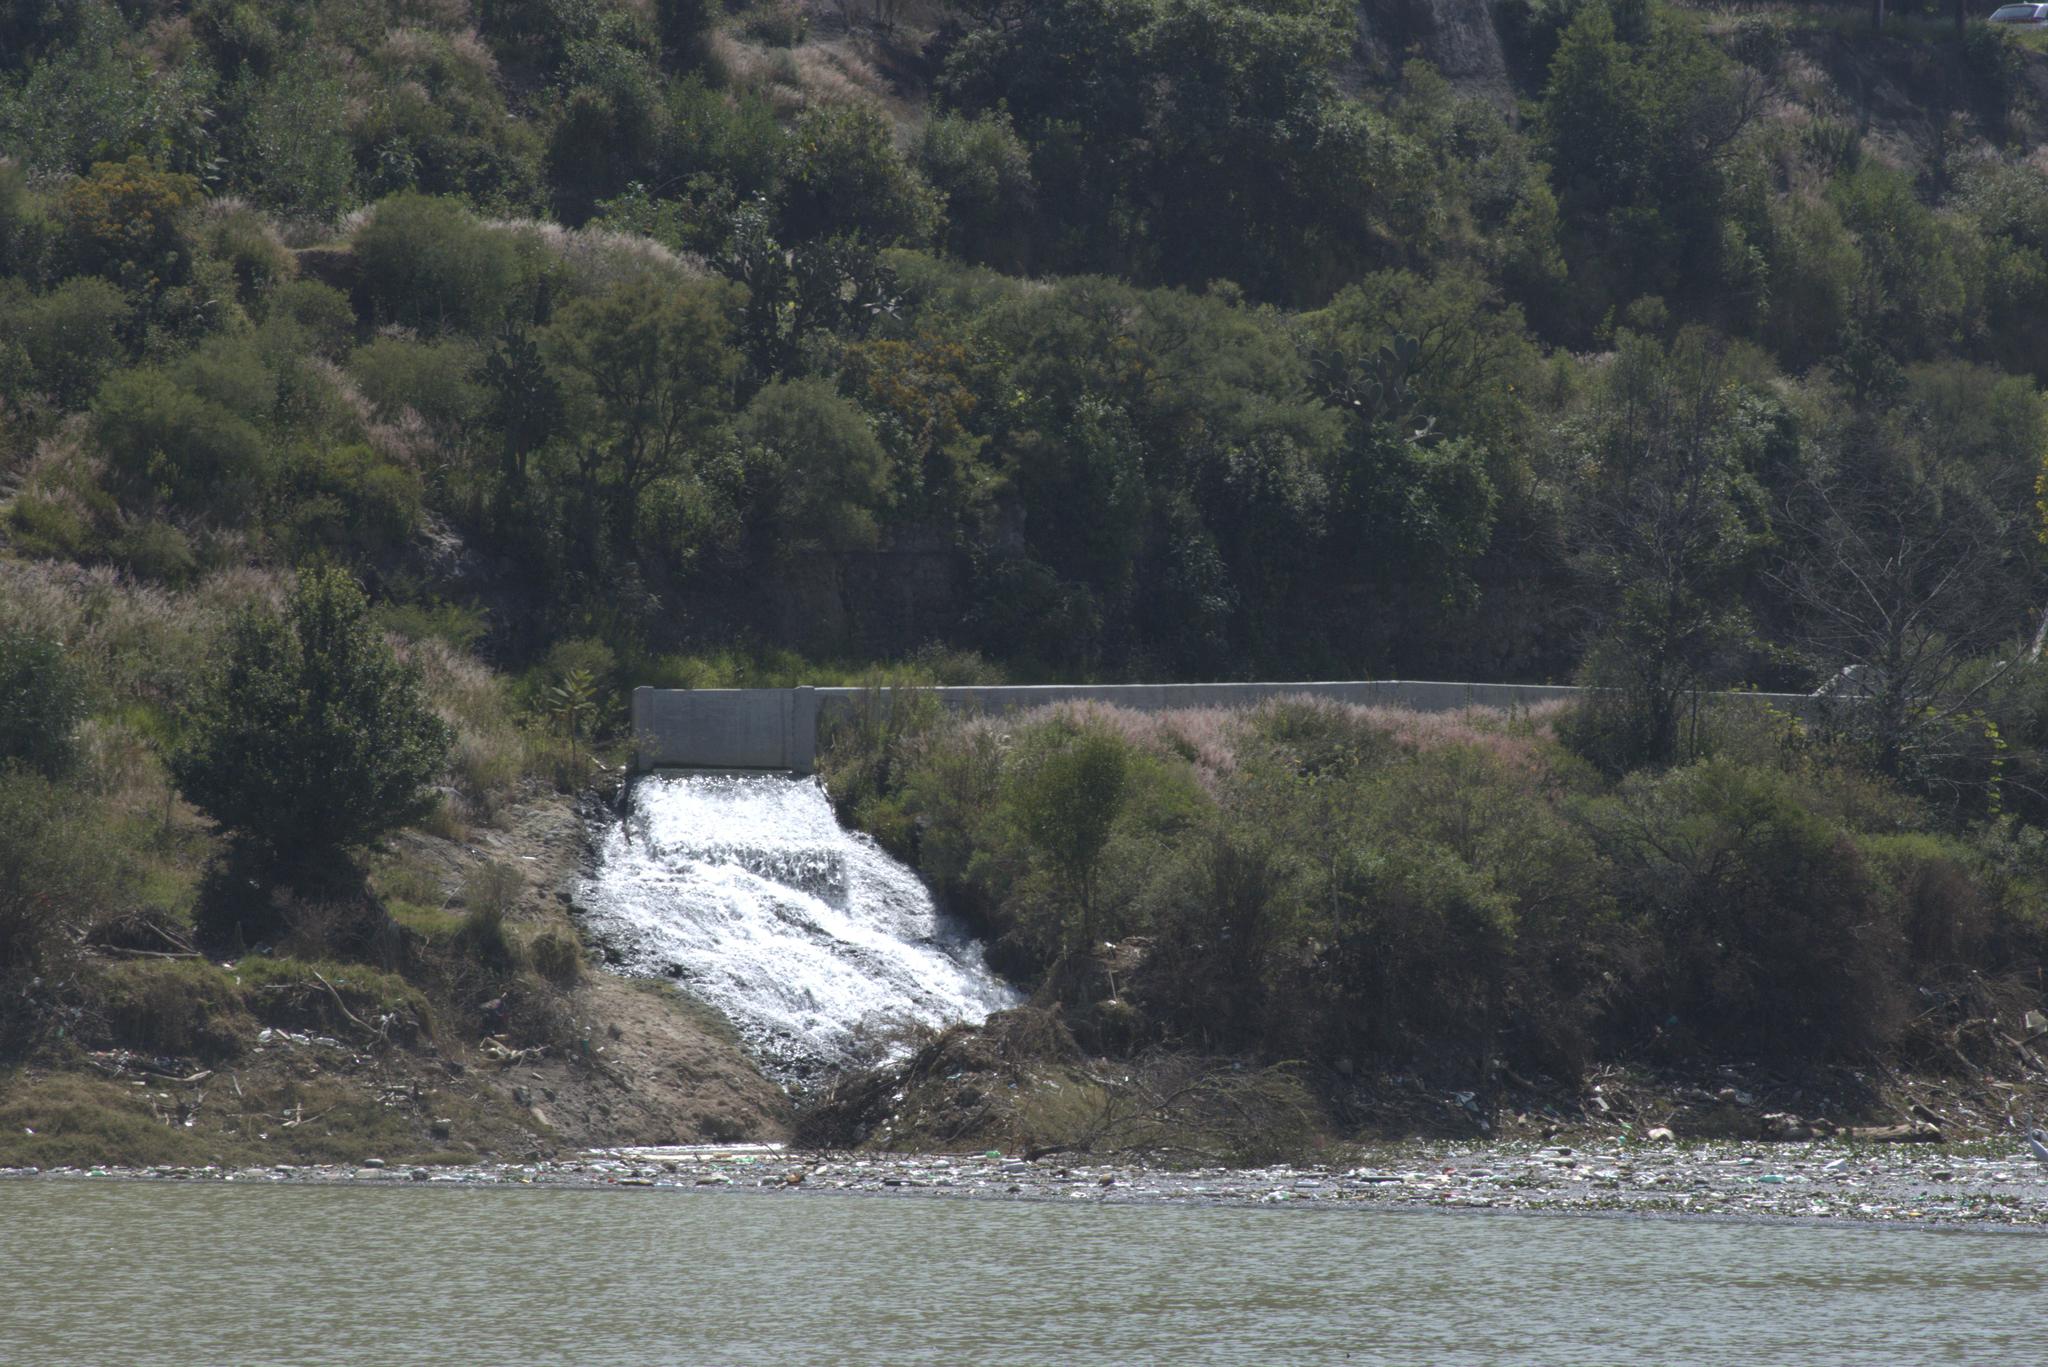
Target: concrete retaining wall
point(726, 728)
point(777, 728)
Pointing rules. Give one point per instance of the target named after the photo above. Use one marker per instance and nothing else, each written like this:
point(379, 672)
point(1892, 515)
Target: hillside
point(606, 342)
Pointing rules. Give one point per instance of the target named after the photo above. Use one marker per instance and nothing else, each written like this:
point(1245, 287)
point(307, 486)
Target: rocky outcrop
point(1455, 36)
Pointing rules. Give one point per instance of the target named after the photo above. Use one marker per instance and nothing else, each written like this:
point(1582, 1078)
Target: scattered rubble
point(1996, 1184)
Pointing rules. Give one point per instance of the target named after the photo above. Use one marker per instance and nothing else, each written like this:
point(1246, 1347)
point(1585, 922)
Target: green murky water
point(184, 1275)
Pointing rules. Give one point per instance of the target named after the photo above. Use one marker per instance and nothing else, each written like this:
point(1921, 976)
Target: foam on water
point(810, 939)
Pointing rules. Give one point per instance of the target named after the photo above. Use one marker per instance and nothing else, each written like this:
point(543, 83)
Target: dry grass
point(493, 754)
point(599, 259)
point(403, 437)
point(809, 75)
point(52, 1119)
point(434, 14)
point(1210, 739)
point(144, 646)
point(133, 640)
point(1516, 739)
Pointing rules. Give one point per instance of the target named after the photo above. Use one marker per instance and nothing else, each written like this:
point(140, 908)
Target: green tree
point(608, 131)
point(818, 470)
point(983, 170)
point(25, 228)
point(126, 221)
point(312, 738)
point(1065, 799)
point(842, 174)
point(836, 284)
point(291, 151)
point(97, 94)
point(1254, 167)
point(685, 29)
point(647, 380)
point(1908, 561)
point(1637, 128)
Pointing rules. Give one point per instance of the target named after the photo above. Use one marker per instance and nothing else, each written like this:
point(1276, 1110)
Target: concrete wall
point(726, 728)
point(777, 728)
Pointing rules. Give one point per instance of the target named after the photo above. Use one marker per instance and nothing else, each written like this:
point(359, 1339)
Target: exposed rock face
point(1456, 36)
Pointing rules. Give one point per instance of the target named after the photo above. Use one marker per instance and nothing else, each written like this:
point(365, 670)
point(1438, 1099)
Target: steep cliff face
point(1456, 36)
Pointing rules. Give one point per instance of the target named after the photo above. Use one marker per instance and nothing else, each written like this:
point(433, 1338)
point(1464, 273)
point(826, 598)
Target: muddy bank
point(1987, 1185)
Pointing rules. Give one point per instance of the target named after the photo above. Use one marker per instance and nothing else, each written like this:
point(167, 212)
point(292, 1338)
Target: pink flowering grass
point(1210, 739)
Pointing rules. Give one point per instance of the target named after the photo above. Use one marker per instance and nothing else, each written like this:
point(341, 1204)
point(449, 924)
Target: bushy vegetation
point(606, 343)
point(1332, 380)
point(312, 739)
point(1319, 882)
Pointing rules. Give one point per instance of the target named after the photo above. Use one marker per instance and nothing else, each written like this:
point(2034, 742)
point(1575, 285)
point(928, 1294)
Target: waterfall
point(808, 938)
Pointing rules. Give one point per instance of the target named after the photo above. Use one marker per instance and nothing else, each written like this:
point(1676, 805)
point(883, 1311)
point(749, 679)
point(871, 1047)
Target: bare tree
point(1907, 573)
point(1666, 522)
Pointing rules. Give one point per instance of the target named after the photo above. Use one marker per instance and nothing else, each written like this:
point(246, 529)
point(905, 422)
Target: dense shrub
point(156, 550)
point(427, 263)
point(1331, 882)
point(558, 958)
point(353, 500)
point(128, 222)
point(59, 874)
point(42, 701)
point(311, 737)
point(305, 316)
point(1772, 930)
point(70, 337)
point(436, 380)
point(167, 442)
point(24, 227)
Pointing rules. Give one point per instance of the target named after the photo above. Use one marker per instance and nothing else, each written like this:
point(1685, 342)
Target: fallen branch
point(342, 1007)
point(1896, 1134)
point(119, 1067)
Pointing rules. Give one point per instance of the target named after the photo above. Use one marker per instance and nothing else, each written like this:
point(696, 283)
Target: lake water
point(202, 1275)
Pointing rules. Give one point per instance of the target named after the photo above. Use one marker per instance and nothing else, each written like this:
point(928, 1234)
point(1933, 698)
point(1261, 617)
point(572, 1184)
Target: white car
point(2033, 16)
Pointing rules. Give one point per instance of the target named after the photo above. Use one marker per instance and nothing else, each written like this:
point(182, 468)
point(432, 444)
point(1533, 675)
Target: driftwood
point(1917, 1132)
point(499, 1050)
point(116, 1067)
point(342, 1007)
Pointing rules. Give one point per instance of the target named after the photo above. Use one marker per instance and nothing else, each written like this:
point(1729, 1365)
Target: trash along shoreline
point(1993, 1186)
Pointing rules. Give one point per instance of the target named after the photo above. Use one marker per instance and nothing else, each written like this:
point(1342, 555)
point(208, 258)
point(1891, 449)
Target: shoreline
point(1822, 1183)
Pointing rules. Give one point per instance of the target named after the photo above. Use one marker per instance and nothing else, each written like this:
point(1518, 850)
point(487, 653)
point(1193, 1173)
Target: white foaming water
point(809, 939)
